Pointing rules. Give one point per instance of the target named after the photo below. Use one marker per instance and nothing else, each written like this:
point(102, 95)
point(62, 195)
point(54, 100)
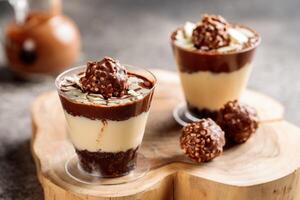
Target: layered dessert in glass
point(106, 108)
point(214, 62)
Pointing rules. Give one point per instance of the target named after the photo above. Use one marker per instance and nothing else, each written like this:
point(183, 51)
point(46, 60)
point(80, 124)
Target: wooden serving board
point(264, 168)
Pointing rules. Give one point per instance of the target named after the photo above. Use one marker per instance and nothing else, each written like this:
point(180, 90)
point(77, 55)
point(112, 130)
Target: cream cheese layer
point(204, 89)
point(106, 135)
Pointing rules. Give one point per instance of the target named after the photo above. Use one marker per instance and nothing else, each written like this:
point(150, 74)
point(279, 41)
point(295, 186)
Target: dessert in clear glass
point(214, 60)
point(106, 107)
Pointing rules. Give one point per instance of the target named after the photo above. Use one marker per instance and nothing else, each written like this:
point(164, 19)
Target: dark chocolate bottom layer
point(202, 113)
point(108, 164)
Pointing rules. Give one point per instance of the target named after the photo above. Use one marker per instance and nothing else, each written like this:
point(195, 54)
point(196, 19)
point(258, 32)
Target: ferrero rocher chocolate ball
point(211, 33)
point(238, 121)
point(106, 77)
point(202, 140)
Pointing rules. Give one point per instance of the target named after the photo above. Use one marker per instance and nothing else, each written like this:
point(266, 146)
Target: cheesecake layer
point(210, 91)
point(106, 135)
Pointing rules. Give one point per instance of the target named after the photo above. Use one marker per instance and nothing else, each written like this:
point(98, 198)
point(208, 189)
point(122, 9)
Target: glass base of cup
point(182, 115)
point(74, 170)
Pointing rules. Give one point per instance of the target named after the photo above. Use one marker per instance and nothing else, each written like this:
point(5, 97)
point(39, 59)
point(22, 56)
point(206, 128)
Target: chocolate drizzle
point(104, 124)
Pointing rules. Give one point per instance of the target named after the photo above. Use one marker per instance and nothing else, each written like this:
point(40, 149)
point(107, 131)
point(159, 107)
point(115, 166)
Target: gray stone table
point(137, 32)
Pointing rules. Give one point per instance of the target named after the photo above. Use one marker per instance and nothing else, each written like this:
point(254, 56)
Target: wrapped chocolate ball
point(202, 140)
point(238, 121)
point(106, 77)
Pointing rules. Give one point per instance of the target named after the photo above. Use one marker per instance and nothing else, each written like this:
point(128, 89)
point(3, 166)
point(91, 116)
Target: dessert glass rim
point(213, 53)
point(81, 68)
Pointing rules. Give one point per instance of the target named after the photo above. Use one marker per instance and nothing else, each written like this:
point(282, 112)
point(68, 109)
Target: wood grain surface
point(266, 167)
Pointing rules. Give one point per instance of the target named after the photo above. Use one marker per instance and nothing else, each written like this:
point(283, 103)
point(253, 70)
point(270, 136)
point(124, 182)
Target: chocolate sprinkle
point(202, 140)
point(106, 77)
point(211, 33)
point(238, 121)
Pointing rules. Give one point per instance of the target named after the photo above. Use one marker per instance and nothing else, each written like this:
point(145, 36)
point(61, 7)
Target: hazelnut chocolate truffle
point(202, 140)
point(106, 77)
point(211, 33)
point(238, 121)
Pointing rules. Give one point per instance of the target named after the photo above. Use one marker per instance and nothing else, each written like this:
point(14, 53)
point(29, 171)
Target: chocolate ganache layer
point(108, 164)
point(192, 60)
point(135, 101)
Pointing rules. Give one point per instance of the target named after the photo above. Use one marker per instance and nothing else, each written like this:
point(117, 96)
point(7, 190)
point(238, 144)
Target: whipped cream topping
point(72, 89)
point(239, 37)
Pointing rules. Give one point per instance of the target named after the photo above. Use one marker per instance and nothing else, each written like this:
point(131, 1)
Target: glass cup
point(211, 79)
point(106, 136)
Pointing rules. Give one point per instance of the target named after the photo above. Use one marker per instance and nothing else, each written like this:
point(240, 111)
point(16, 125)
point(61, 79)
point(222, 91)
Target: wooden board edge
point(287, 187)
point(44, 180)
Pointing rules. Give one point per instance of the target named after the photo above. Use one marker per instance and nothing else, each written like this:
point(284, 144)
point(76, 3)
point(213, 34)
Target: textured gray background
point(137, 32)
